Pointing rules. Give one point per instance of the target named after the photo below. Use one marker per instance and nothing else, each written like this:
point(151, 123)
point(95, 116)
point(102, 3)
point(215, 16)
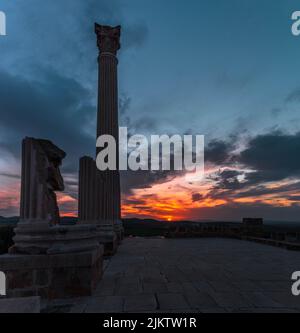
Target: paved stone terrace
point(195, 275)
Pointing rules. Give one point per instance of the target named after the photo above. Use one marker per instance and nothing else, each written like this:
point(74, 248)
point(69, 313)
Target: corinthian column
point(108, 211)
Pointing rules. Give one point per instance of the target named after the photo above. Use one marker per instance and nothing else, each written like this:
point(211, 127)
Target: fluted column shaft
point(108, 194)
point(32, 206)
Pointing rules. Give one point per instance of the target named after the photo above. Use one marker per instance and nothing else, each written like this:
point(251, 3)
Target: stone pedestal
point(119, 230)
point(52, 276)
point(108, 237)
point(40, 238)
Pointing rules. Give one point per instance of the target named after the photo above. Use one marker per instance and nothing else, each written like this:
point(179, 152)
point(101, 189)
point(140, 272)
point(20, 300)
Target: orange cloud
point(169, 201)
point(67, 204)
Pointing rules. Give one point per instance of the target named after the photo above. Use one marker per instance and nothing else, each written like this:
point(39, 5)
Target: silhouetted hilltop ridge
point(153, 224)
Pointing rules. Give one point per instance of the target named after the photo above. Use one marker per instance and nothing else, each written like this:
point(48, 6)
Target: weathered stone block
point(42, 277)
point(53, 276)
point(19, 279)
point(20, 305)
point(110, 248)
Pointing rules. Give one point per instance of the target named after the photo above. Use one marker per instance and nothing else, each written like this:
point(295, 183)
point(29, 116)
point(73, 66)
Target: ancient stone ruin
point(52, 260)
point(49, 259)
point(41, 177)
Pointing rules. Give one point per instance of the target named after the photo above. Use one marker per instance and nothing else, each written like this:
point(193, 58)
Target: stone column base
point(119, 230)
point(106, 234)
point(38, 237)
point(110, 246)
point(108, 238)
point(52, 276)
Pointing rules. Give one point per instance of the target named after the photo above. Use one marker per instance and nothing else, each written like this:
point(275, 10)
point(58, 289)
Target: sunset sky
point(229, 70)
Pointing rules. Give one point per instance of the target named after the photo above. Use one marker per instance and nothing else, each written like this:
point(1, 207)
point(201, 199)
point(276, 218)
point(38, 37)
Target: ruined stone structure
point(99, 191)
point(38, 231)
point(40, 179)
point(48, 259)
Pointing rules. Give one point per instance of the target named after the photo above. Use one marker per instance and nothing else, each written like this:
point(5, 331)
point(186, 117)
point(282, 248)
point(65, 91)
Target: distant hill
point(130, 223)
point(15, 219)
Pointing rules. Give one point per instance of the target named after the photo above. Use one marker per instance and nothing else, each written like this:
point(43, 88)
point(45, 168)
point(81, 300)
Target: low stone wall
point(288, 240)
point(273, 242)
point(52, 276)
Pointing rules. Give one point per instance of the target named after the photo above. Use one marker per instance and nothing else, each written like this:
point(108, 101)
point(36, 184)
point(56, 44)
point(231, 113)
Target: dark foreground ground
point(195, 275)
point(201, 274)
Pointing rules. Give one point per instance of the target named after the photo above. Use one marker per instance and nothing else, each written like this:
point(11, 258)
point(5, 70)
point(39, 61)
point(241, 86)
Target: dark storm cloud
point(61, 35)
point(52, 107)
point(127, 201)
point(263, 190)
point(144, 179)
point(249, 190)
point(270, 157)
point(218, 152)
point(196, 197)
point(48, 75)
point(56, 97)
point(274, 156)
point(294, 198)
point(228, 179)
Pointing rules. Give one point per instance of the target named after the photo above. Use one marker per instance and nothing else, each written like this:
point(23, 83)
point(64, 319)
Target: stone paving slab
point(200, 300)
point(259, 299)
point(142, 302)
point(172, 301)
point(155, 287)
point(20, 305)
point(209, 275)
point(231, 300)
point(105, 304)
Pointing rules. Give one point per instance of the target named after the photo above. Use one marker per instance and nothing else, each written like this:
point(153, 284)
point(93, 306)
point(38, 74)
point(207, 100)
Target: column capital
point(108, 38)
